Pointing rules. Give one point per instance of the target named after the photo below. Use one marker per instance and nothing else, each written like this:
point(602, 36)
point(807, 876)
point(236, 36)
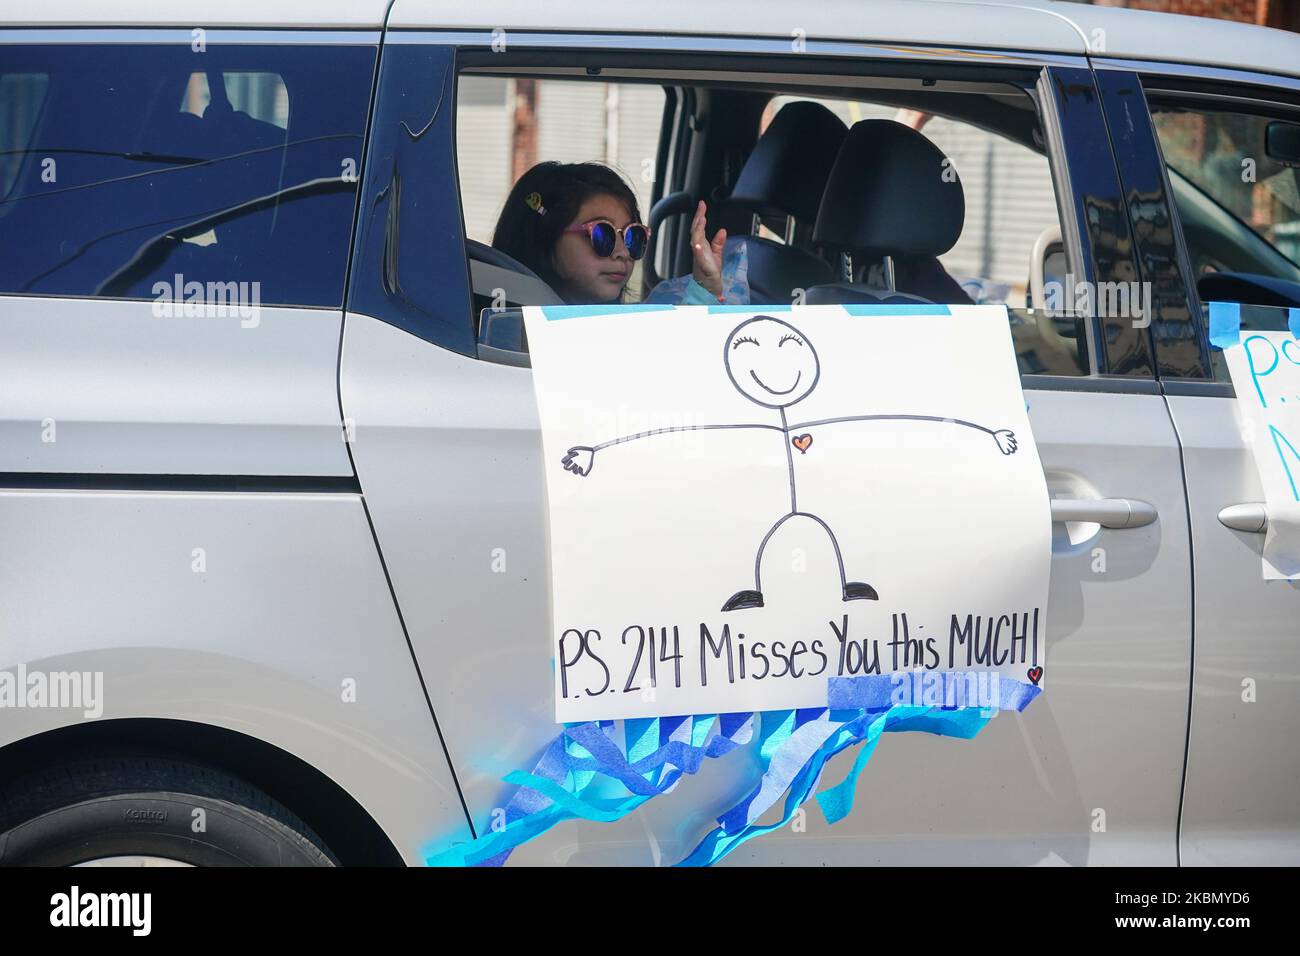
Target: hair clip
point(534, 202)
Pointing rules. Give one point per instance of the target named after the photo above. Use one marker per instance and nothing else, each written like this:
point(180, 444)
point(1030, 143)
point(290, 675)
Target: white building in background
point(612, 123)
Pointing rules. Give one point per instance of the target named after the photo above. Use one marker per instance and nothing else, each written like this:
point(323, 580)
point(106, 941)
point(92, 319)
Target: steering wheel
point(490, 255)
point(674, 204)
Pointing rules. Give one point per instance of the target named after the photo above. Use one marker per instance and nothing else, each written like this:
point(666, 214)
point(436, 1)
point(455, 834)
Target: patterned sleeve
point(696, 294)
point(684, 290)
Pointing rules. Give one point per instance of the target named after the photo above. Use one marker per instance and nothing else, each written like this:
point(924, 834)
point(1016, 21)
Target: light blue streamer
point(559, 787)
point(794, 747)
point(775, 728)
point(837, 802)
point(863, 726)
point(590, 808)
point(787, 761)
point(1293, 322)
point(641, 737)
point(718, 842)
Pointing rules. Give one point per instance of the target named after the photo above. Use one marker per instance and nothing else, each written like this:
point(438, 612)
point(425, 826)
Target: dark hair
point(529, 235)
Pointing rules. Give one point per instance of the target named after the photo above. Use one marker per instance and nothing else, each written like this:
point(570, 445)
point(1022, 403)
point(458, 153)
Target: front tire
point(152, 809)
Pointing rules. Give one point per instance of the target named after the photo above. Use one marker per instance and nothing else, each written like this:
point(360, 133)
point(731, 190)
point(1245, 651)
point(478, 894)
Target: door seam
point(1191, 656)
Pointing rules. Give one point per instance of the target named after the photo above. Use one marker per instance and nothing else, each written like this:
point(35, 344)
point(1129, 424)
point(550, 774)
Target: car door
point(1226, 208)
point(444, 434)
point(178, 510)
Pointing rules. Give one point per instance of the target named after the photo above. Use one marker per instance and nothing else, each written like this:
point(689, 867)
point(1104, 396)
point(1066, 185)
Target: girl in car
point(577, 225)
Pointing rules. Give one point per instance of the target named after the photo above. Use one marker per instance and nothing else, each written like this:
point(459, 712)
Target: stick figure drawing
point(774, 365)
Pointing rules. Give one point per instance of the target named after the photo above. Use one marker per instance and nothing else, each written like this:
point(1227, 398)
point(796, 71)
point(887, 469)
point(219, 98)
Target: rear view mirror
point(1282, 142)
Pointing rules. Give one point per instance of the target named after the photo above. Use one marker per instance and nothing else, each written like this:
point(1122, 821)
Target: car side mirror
point(1282, 142)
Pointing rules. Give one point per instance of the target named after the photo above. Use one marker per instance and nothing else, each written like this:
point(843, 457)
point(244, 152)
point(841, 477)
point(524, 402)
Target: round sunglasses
point(604, 237)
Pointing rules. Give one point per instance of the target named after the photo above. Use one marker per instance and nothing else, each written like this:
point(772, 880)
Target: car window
point(1240, 208)
point(505, 125)
point(127, 166)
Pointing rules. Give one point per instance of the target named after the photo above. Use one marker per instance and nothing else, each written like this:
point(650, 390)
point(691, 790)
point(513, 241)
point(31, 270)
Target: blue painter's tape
point(1225, 324)
point(555, 312)
point(1293, 322)
point(748, 308)
point(1016, 694)
point(872, 692)
point(875, 692)
point(910, 309)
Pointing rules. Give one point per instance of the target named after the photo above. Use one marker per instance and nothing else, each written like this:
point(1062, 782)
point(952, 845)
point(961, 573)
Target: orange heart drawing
point(802, 442)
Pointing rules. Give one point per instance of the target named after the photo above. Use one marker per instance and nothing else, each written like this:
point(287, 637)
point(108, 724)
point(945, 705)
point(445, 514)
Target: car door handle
point(1114, 513)
point(1251, 518)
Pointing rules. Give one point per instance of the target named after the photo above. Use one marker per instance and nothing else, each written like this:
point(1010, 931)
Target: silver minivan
point(273, 564)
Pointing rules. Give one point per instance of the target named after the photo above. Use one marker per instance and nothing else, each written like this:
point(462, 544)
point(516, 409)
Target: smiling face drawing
point(771, 362)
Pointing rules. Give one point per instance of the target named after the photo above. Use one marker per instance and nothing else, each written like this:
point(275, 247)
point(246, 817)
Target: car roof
point(188, 14)
point(1040, 26)
point(1121, 33)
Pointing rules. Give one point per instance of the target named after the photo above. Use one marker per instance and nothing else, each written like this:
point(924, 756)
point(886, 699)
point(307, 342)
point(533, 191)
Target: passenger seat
point(891, 193)
point(785, 176)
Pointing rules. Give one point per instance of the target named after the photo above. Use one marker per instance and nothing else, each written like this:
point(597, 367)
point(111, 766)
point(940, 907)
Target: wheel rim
point(134, 859)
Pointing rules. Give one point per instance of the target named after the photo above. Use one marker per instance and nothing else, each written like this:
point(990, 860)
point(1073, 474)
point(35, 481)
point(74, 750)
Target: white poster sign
point(1265, 369)
point(745, 502)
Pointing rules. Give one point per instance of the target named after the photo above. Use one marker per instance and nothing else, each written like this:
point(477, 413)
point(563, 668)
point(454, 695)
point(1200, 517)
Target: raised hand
point(579, 460)
point(1006, 440)
point(707, 255)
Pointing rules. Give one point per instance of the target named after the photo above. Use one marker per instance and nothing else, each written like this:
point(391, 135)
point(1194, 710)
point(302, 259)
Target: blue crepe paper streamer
point(794, 747)
point(795, 767)
point(1293, 322)
point(1225, 324)
point(561, 786)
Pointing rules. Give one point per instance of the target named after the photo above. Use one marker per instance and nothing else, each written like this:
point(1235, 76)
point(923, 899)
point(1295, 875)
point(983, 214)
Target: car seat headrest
point(788, 168)
point(891, 192)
